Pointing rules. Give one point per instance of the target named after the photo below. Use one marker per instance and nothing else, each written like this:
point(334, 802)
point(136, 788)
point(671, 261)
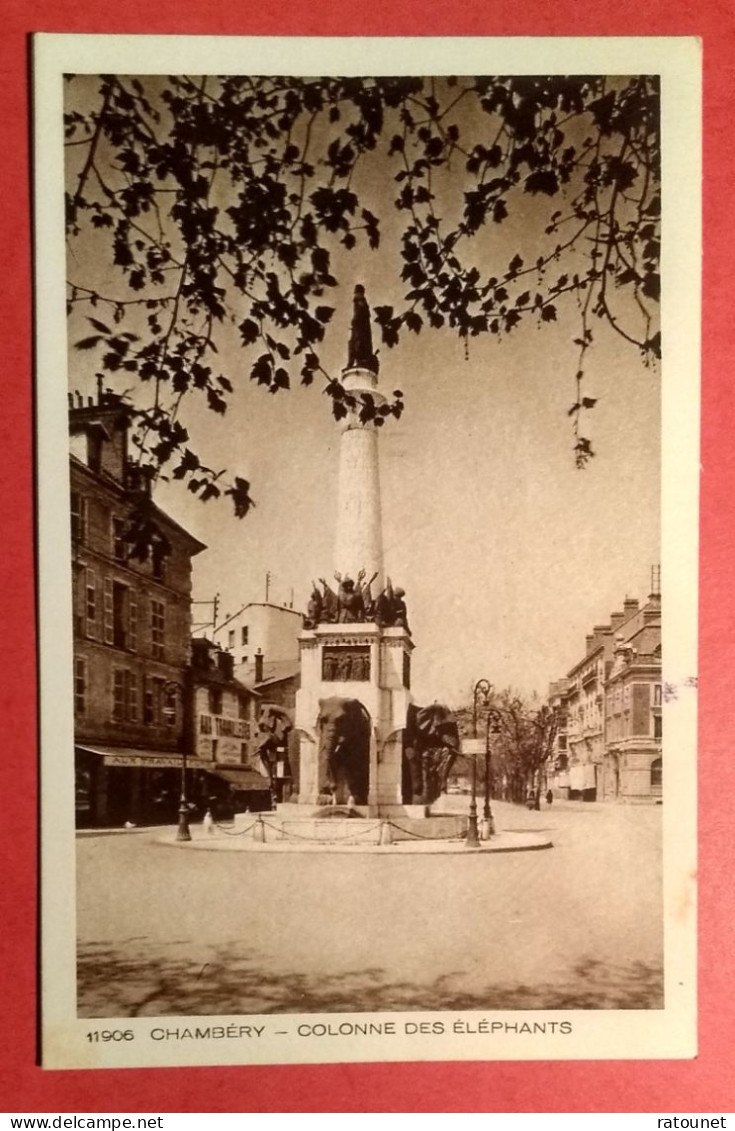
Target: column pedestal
point(370, 664)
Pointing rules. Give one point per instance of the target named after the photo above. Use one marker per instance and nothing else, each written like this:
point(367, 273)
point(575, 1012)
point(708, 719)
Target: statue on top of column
point(353, 603)
point(360, 349)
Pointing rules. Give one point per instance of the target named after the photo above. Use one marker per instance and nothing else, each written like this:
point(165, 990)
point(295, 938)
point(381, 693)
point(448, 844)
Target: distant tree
point(521, 738)
point(192, 201)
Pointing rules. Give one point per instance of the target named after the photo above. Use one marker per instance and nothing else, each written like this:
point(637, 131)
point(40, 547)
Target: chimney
point(590, 642)
point(226, 664)
point(652, 611)
point(70, 398)
point(600, 632)
point(259, 666)
point(616, 619)
point(630, 607)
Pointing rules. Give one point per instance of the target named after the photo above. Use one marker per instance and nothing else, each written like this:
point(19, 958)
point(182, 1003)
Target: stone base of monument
point(355, 824)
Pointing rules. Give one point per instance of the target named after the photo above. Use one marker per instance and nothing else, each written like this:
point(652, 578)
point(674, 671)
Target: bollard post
point(385, 834)
point(259, 830)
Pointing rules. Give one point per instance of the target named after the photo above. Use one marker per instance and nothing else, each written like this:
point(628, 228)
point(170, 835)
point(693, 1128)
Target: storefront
point(116, 786)
point(583, 782)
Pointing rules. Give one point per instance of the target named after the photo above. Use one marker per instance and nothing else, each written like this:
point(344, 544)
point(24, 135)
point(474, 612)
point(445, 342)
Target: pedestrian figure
point(208, 822)
point(549, 797)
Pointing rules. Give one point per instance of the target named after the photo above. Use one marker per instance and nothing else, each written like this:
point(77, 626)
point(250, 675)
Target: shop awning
point(241, 777)
point(582, 776)
point(133, 756)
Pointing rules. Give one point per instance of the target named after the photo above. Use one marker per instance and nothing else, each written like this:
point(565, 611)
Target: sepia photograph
point(367, 398)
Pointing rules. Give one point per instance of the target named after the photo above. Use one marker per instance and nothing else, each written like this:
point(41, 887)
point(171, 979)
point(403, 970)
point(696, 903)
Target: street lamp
point(482, 687)
point(493, 726)
point(171, 690)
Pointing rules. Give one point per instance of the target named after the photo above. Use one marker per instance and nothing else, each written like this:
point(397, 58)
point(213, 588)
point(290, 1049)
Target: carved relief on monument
point(340, 664)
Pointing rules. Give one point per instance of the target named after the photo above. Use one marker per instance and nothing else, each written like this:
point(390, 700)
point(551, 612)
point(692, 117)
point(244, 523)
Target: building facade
point(260, 628)
point(557, 770)
point(226, 772)
point(633, 765)
point(131, 576)
point(609, 742)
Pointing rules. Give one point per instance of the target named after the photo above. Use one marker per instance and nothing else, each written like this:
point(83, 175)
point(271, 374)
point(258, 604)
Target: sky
point(508, 553)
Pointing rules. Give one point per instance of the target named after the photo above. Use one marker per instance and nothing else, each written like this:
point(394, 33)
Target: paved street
point(165, 930)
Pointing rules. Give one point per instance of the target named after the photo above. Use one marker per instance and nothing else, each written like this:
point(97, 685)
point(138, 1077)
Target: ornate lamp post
point(493, 727)
point(171, 691)
point(482, 687)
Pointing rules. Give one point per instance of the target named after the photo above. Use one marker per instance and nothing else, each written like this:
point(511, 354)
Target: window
point(80, 686)
point(90, 602)
point(119, 546)
point(149, 706)
point(118, 695)
point(656, 774)
point(132, 690)
point(244, 640)
point(169, 706)
point(124, 696)
point(244, 659)
point(78, 518)
point(158, 561)
point(657, 726)
point(231, 638)
point(215, 701)
point(657, 695)
point(158, 629)
point(124, 617)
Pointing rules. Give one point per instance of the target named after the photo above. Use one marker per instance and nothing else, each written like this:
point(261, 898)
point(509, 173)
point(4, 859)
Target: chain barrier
point(229, 832)
point(284, 835)
point(420, 836)
point(375, 828)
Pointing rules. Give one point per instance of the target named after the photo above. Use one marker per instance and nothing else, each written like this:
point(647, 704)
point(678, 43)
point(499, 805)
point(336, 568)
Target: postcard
point(367, 414)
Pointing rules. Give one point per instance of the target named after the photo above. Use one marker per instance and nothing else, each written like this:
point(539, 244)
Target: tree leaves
point(225, 198)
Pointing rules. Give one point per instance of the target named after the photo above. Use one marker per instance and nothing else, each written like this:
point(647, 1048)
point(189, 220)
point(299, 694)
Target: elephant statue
point(274, 727)
point(430, 746)
point(343, 729)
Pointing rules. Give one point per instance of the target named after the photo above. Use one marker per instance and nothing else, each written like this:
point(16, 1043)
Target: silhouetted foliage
point(200, 200)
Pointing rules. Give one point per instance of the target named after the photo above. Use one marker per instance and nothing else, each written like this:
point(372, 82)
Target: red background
point(703, 1085)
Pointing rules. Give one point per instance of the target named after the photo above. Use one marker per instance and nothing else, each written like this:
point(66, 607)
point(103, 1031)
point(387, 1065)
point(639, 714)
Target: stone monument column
point(349, 653)
point(359, 539)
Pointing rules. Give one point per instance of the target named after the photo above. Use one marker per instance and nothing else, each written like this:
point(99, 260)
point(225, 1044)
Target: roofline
point(114, 485)
point(599, 648)
point(274, 679)
point(270, 605)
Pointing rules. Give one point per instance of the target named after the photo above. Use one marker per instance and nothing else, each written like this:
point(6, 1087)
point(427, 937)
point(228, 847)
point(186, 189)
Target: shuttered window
point(132, 696)
point(132, 621)
point(90, 603)
point(125, 696)
point(158, 629)
point(109, 620)
point(80, 686)
point(78, 518)
point(118, 695)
